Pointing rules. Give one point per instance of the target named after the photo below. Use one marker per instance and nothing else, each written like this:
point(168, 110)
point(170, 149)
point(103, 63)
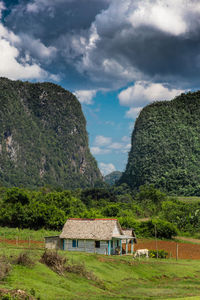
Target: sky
point(115, 56)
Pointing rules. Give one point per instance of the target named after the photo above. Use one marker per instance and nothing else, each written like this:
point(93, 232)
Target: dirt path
point(187, 239)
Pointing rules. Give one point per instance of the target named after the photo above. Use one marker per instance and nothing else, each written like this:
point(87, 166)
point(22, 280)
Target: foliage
point(165, 147)
point(24, 259)
point(158, 253)
point(43, 137)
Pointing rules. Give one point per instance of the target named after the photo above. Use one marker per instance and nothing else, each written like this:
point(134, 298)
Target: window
point(75, 243)
point(97, 244)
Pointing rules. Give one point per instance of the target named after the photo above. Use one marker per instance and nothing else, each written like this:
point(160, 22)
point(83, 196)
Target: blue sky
point(116, 56)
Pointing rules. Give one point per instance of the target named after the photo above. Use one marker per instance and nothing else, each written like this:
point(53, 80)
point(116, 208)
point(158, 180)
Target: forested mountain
point(112, 177)
point(166, 146)
point(43, 138)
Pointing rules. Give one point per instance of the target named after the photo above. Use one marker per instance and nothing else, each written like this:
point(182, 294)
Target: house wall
point(86, 246)
point(53, 242)
point(116, 230)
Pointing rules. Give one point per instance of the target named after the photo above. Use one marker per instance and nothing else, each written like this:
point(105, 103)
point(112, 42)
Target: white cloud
point(99, 151)
point(125, 139)
point(15, 66)
point(116, 146)
point(85, 96)
point(168, 16)
point(133, 112)
point(10, 66)
point(143, 92)
point(101, 140)
point(106, 168)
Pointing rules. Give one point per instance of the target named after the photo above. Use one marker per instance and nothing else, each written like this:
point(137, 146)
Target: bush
point(54, 261)
point(164, 229)
point(4, 267)
point(24, 260)
point(161, 253)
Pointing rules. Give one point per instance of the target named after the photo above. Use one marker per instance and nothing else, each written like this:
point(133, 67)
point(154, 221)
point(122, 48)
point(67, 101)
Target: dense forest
point(166, 147)
point(43, 138)
point(49, 208)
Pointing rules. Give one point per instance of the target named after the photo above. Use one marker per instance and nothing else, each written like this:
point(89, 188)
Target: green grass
point(189, 199)
point(25, 234)
point(123, 278)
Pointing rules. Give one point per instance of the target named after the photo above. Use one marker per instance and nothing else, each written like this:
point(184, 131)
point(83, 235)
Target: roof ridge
point(85, 219)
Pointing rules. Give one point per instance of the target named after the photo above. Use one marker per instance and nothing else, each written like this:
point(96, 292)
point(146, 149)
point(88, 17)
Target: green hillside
point(100, 277)
point(166, 147)
point(43, 138)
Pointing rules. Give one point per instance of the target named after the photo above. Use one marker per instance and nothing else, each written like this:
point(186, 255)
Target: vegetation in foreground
point(90, 276)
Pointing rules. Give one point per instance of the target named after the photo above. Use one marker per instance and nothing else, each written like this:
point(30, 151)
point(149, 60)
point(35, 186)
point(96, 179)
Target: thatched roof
point(91, 229)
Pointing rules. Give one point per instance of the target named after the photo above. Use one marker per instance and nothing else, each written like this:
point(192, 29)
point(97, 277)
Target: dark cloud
point(110, 43)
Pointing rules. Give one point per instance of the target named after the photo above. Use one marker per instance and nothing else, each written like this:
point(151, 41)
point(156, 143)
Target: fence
point(21, 243)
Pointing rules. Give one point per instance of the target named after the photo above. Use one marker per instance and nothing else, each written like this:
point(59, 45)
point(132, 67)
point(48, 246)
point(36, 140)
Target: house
point(102, 236)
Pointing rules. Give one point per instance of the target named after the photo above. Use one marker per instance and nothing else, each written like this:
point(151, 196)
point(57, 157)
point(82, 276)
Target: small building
point(102, 236)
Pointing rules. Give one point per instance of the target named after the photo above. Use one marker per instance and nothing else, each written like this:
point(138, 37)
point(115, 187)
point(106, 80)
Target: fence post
point(156, 242)
point(176, 251)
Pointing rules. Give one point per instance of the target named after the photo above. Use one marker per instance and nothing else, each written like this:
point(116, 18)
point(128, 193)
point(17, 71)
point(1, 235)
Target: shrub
point(4, 267)
point(24, 260)
point(161, 253)
point(54, 261)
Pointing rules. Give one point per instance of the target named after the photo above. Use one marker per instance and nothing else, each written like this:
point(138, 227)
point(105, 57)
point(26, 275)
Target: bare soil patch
point(185, 250)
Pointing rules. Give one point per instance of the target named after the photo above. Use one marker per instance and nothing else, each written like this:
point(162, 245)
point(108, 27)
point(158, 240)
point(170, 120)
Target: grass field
point(121, 277)
point(25, 234)
point(189, 199)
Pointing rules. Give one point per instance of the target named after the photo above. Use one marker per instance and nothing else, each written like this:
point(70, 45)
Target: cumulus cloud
point(101, 140)
point(106, 168)
point(142, 93)
point(98, 151)
point(105, 145)
point(85, 96)
point(113, 43)
point(133, 112)
point(10, 66)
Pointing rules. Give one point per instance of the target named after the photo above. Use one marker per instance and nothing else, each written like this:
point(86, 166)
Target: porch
point(116, 245)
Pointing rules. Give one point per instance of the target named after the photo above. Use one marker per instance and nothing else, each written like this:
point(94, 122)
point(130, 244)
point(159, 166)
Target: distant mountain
point(43, 138)
point(166, 146)
point(112, 177)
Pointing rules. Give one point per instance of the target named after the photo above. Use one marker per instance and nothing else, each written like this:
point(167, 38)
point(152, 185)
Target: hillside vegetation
point(43, 138)
point(90, 276)
point(166, 147)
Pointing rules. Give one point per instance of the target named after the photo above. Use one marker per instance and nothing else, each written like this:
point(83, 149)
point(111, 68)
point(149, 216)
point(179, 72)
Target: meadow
point(113, 277)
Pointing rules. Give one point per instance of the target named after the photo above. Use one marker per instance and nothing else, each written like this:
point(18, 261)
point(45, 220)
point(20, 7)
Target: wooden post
point(132, 246)
point(120, 247)
point(156, 242)
point(176, 251)
point(126, 246)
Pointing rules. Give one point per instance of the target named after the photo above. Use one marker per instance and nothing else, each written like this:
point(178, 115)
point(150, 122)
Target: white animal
point(141, 252)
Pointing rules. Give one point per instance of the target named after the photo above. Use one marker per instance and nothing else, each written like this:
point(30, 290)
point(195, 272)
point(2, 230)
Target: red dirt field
point(185, 250)
point(25, 243)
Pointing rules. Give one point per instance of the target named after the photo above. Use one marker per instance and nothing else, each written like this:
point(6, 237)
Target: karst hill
point(166, 146)
point(43, 138)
